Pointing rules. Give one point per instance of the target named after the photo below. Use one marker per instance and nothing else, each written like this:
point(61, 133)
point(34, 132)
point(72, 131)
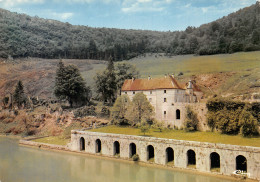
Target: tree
point(70, 86)
point(191, 122)
point(119, 110)
point(19, 95)
point(140, 109)
point(125, 71)
point(248, 123)
point(144, 126)
point(106, 84)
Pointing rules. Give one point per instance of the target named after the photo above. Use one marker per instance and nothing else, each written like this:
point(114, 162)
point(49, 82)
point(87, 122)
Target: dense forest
point(25, 36)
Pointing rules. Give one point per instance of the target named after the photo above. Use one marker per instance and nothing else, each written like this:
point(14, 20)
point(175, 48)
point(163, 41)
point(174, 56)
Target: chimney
point(133, 79)
point(165, 75)
point(173, 75)
point(189, 85)
point(149, 78)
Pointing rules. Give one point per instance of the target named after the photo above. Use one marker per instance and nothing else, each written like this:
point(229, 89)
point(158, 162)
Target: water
point(24, 164)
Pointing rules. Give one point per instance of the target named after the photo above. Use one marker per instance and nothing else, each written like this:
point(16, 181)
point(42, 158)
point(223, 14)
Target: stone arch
point(116, 148)
point(241, 163)
point(150, 152)
point(132, 150)
point(214, 161)
point(98, 146)
point(178, 114)
point(191, 155)
point(169, 155)
point(82, 144)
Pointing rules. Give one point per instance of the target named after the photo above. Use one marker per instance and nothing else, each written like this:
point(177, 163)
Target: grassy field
point(193, 65)
point(38, 75)
point(182, 135)
point(53, 140)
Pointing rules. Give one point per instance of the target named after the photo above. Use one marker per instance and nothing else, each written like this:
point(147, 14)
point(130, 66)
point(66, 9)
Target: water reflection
point(19, 163)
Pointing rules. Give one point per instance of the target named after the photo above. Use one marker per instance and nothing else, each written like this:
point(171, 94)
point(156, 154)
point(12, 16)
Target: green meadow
point(211, 137)
point(157, 66)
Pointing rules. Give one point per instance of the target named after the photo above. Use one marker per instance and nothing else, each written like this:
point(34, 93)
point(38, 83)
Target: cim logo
point(238, 172)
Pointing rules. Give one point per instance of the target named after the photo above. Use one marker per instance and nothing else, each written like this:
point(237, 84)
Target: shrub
point(248, 123)
point(158, 125)
point(105, 112)
point(227, 121)
point(135, 157)
point(85, 111)
point(5, 101)
point(211, 120)
point(191, 122)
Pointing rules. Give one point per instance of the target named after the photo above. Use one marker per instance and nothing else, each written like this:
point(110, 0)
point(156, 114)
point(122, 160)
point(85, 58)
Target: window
point(165, 91)
point(178, 114)
point(164, 100)
point(133, 92)
point(151, 92)
point(164, 114)
point(125, 92)
point(150, 99)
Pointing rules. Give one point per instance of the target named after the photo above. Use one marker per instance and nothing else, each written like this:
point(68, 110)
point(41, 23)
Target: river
point(24, 164)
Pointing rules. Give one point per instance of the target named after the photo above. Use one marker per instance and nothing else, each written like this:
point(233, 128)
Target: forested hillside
point(25, 36)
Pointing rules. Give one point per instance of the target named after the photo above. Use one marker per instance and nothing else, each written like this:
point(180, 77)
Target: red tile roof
point(151, 84)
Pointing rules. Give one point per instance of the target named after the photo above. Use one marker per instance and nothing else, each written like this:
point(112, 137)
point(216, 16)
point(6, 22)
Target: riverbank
point(65, 149)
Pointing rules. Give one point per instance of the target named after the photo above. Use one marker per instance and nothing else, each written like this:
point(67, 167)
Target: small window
point(133, 92)
point(150, 99)
point(178, 114)
point(165, 100)
point(164, 114)
point(125, 92)
point(151, 92)
point(165, 91)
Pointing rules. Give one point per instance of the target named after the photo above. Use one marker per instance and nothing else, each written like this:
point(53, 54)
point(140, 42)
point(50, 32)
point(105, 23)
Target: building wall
point(227, 153)
point(176, 99)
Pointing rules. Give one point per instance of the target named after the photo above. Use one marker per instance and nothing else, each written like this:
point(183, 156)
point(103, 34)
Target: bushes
point(191, 122)
point(135, 157)
point(85, 111)
point(230, 117)
point(248, 124)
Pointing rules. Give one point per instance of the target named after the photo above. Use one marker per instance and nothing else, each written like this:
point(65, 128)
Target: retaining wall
point(85, 141)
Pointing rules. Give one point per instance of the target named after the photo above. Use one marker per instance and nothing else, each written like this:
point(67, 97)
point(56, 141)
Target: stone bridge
point(200, 156)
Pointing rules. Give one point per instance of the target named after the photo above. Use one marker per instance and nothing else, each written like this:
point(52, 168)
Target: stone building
point(168, 97)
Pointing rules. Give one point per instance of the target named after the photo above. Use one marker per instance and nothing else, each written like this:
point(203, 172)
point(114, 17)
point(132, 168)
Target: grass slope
point(53, 140)
point(230, 73)
point(157, 66)
point(182, 135)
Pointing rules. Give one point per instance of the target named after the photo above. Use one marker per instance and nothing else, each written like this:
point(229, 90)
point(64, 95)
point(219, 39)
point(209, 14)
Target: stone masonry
point(156, 148)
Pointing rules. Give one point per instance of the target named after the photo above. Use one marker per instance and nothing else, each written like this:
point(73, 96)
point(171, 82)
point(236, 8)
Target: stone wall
point(227, 153)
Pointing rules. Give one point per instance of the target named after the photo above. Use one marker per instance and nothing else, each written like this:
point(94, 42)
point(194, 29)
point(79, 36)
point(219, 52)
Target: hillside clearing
point(226, 74)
